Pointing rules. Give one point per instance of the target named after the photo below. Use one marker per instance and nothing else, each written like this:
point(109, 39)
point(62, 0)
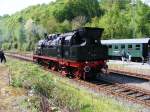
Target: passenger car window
point(137, 46)
point(130, 46)
point(122, 46)
point(116, 47)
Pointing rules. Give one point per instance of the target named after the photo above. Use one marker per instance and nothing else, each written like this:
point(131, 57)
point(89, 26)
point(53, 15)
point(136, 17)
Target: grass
point(60, 91)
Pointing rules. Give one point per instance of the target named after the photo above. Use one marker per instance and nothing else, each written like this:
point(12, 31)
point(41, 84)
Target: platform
point(130, 68)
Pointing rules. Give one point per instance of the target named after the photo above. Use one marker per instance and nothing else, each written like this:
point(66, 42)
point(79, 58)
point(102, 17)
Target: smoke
point(34, 29)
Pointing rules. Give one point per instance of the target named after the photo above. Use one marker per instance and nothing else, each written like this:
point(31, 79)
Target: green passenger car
point(139, 49)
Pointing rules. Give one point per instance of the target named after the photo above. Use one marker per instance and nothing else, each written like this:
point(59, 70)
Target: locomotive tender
point(78, 54)
point(139, 49)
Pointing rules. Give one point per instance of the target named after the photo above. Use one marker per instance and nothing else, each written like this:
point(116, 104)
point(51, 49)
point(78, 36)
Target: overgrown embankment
point(10, 97)
point(59, 90)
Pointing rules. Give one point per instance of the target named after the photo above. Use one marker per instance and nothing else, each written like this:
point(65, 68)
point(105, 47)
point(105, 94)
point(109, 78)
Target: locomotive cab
point(86, 45)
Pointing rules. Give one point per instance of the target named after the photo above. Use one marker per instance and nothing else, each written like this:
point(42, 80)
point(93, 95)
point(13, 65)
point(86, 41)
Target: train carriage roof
point(126, 41)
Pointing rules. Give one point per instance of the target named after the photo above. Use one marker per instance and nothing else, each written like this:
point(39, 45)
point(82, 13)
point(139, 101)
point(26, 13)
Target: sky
point(147, 1)
point(12, 6)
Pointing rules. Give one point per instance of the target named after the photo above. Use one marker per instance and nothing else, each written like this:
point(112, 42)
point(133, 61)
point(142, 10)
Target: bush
point(61, 91)
point(6, 46)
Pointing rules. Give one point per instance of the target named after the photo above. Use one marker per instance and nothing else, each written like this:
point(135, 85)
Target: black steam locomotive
point(79, 53)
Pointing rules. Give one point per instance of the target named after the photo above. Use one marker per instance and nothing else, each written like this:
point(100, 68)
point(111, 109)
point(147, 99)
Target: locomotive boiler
point(77, 54)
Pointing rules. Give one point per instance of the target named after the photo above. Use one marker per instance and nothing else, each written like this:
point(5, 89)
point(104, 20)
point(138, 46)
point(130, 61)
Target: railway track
point(25, 57)
point(141, 76)
point(129, 93)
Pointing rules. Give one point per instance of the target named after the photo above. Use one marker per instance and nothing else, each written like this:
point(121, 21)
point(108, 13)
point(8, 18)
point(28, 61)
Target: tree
point(143, 20)
point(114, 21)
point(23, 29)
point(74, 8)
point(21, 33)
point(34, 33)
point(78, 22)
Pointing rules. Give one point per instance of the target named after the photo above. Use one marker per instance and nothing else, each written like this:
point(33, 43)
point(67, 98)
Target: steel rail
point(141, 76)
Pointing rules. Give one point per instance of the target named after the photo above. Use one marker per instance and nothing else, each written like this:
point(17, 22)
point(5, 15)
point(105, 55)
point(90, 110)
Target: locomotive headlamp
point(86, 62)
point(87, 68)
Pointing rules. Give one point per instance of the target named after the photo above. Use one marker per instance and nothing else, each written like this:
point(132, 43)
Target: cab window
point(110, 46)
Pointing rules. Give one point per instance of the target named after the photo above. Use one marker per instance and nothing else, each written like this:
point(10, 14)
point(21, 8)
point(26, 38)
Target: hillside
point(119, 18)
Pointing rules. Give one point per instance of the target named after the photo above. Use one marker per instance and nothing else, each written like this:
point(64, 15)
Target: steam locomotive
point(77, 54)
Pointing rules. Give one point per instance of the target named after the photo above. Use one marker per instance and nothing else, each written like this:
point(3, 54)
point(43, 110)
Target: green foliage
point(21, 36)
point(23, 29)
point(117, 20)
point(60, 91)
point(143, 21)
point(73, 8)
point(6, 46)
point(32, 104)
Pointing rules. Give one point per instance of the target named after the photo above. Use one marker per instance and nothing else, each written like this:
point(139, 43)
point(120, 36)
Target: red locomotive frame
point(77, 69)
